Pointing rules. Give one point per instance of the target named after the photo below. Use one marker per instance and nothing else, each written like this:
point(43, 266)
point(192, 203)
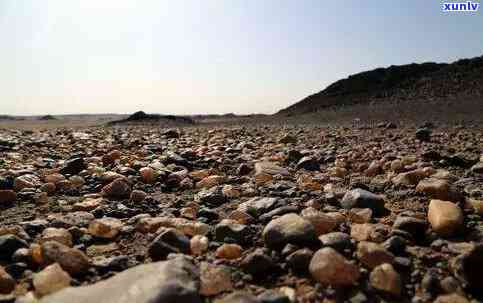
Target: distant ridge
point(411, 82)
point(140, 117)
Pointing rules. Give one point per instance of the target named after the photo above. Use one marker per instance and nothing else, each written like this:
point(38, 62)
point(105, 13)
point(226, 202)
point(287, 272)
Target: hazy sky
point(207, 56)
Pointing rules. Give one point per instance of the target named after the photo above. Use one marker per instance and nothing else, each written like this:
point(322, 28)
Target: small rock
point(385, 279)
point(287, 138)
point(148, 175)
point(438, 189)
point(231, 229)
point(451, 298)
point(72, 260)
point(337, 240)
point(372, 254)
point(423, 134)
point(118, 188)
point(331, 268)
point(308, 163)
point(210, 181)
point(138, 195)
point(106, 228)
point(270, 169)
point(416, 227)
point(238, 297)
point(300, 259)
point(289, 228)
point(229, 251)
point(7, 197)
point(214, 279)
point(73, 166)
point(7, 283)
point(199, 245)
point(168, 241)
point(257, 263)
point(467, 268)
point(9, 244)
point(26, 181)
point(50, 279)
point(87, 205)
point(360, 198)
point(445, 217)
point(60, 235)
point(322, 223)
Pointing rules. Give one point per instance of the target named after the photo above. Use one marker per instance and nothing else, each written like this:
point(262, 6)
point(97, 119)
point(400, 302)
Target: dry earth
point(273, 212)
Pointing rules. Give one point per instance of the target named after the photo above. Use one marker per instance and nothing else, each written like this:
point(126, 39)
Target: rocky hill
point(412, 82)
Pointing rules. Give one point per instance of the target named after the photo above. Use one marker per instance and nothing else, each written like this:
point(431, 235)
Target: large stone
point(360, 198)
point(289, 228)
point(385, 279)
point(172, 281)
point(331, 268)
point(51, 279)
point(445, 217)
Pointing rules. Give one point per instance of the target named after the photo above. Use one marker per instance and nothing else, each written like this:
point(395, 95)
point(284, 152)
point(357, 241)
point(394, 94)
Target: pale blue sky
point(187, 57)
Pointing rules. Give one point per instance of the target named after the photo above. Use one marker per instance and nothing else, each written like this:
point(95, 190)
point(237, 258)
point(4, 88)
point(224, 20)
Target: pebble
point(360, 198)
point(9, 244)
point(229, 251)
point(148, 175)
point(321, 222)
point(138, 196)
point(257, 263)
point(445, 217)
point(385, 279)
point(7, 197)
point(7, 283)
point(372, 254)
point(199, 245)
point(214, 279)
point(289, 228)
point(72, 260)
point(329, 267)
point(118, 188)
point(60, 235)
point(51, 279)
point(451, 298)
point(168, 241)
point(106, 228)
